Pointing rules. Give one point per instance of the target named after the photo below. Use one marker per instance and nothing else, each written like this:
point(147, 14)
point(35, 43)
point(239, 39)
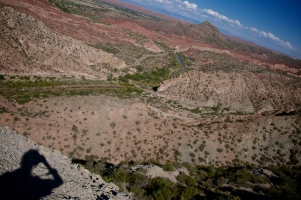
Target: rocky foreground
point(51, 175)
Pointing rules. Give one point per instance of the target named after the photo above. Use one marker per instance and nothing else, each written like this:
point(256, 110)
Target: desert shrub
point(123, 79)
point(112, 124)
point(25, 78)
point(241, 176)
point(138, 180)
point(202, 147)
point(293, 157)
point(216, 108)
point(83, 93)
point(88, 150)
point(119, 175)
point(168, 166)
point(139, 68)
point(2, 109)
point(186, 180)
point(23, 98)
point(161, 189)
point(227, 109)
point(61, 5)
point(74, 129)
point(192, 154)
point(219, 150)
point(196, 110)
point(189, 193)
point(288, 185)
point(155, 76)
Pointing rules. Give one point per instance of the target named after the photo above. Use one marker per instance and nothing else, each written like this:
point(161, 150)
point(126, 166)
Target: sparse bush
point(196, 110)
point(219, 150)
point(168, 167)
point(192, 155)
point(74, 129)
point(202, 146)
point(112, 124)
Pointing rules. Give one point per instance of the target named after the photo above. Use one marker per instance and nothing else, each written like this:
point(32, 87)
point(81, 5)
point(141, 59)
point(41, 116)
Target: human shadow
point(22, 184)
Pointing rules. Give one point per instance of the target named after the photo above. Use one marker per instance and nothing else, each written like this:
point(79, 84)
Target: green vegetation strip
point(24, 89)
point(152, 77)
point(156, 76)
point(202, 182)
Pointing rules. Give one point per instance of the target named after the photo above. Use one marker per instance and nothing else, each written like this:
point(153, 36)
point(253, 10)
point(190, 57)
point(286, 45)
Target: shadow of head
point(31, 159)
point(22, 184)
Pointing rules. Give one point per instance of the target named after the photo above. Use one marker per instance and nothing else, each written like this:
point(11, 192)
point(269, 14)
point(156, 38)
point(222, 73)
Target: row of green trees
point(155, 76)
point(202, 182)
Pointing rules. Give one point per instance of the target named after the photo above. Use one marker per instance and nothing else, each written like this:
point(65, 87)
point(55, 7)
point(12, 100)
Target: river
point(179, 59)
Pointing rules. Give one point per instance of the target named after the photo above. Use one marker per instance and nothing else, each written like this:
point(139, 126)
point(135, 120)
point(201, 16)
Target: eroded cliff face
point(29, 47)
point(246, 92)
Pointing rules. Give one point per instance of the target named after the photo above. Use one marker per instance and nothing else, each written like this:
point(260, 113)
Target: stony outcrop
point(153, 171)
point(65, 180)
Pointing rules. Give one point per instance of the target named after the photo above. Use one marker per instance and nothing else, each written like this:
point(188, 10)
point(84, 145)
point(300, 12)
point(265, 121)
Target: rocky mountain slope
point(241, 91)
point(38, 50)
point(139, 10)
point(159, 127)
point(135, 100)
point(77, 27)
point(51, 175)
point(105, 86)
point(202, 32)
point(207, 32)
